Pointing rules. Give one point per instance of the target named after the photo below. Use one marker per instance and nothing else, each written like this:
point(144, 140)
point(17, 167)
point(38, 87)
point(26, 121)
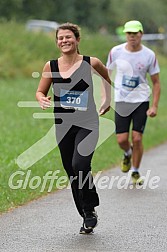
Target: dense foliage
point(24, 52)
point(103, 14)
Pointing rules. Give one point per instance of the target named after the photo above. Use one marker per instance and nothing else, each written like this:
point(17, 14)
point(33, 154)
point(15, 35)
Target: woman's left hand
point(104, 109)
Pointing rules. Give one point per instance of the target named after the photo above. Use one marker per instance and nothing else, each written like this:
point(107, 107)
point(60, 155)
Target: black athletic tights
point(76, 159)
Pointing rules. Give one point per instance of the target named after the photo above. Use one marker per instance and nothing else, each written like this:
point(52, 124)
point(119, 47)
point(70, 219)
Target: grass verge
point(19, 131)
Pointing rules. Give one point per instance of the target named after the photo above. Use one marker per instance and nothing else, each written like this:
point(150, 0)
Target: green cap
point(133, 26)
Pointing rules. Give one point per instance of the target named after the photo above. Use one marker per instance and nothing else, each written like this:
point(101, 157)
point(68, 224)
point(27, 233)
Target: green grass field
point(19, 130)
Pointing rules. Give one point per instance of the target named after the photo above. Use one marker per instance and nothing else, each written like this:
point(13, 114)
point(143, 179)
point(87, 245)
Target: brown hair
point(69, 26)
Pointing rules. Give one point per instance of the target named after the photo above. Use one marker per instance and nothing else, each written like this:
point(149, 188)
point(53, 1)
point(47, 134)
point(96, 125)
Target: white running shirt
point(129, 70)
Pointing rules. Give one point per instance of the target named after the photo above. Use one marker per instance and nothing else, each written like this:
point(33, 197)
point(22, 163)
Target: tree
point(92, 14)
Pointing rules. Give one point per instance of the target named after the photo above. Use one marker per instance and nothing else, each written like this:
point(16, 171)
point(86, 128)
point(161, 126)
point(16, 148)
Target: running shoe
point(136, 179)
point(126, 163)
point(84, 230)
point(89, 222)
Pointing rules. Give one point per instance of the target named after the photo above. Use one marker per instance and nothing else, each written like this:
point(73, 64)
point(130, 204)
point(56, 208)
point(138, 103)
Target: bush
point(23, 52)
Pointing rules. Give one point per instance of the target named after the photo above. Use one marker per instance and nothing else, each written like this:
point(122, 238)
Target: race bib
point(77, 100)
point(130, 82)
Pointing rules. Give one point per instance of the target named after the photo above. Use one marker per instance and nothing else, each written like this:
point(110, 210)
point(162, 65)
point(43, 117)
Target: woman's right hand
point(45, 102)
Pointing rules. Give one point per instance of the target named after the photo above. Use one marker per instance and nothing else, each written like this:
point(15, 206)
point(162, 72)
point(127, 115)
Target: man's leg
point(122, 122)
point(137, 148)
point(139, 118)
point(124, 143)
point(136, 157)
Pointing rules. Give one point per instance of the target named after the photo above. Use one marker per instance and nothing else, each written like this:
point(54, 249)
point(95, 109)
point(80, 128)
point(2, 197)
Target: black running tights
point(76, 149)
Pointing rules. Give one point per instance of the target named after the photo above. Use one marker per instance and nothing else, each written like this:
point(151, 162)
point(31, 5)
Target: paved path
point(133, 220)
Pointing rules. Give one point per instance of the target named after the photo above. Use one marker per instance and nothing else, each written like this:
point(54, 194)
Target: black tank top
point(74, 95)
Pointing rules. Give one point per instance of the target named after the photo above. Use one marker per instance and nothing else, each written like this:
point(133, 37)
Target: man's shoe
point(136, 179)
point(126, 163)
point(89, 222)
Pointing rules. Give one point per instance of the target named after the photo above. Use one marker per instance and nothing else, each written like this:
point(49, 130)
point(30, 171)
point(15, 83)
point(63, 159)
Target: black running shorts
point(127, 113)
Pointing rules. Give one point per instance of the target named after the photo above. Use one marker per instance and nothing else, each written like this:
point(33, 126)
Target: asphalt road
point(130, 219)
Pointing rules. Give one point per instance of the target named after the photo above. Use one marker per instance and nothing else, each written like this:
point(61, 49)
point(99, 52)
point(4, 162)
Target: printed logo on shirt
point(140, 66)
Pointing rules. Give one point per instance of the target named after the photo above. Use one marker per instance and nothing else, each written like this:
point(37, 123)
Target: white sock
point(129, 152)
point(134, 169)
